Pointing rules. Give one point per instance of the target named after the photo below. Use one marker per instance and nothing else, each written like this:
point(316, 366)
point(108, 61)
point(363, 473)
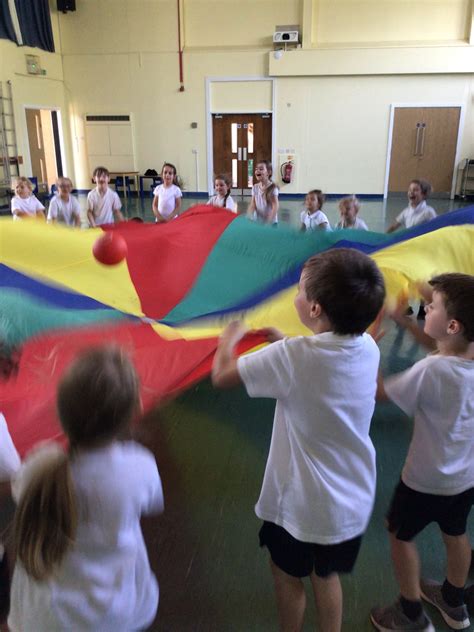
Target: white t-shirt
point(359, 224)
point(104, 582)
point(9, 459)
point(167, 197)
point(438, 392)
point(414, 216)
point(312, 221)
point(29, 205)
point(319, 481)
point(262, 207)
point(103, 206)
point(63, 211)
point(217, 200)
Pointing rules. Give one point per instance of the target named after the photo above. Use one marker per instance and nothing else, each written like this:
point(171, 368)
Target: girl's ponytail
point(45, 521)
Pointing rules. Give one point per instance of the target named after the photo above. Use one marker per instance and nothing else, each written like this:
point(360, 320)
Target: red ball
point(110, 248)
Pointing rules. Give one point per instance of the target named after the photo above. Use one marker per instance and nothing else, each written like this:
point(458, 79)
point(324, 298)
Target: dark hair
point(458, 294)
point(272, 186)
point(320, 195)
point(100, 171)
point(225, 178)
point(424, 185)
point(349, 287)
point(171, 166)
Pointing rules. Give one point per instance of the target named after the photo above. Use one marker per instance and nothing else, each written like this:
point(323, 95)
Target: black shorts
point(410, 512)
point(300, 559)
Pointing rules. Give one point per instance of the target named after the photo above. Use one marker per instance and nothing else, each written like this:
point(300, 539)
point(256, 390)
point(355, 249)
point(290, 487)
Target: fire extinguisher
point(286, 171)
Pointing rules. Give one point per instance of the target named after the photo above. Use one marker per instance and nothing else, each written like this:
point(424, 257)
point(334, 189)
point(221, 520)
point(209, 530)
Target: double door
point(240, 142)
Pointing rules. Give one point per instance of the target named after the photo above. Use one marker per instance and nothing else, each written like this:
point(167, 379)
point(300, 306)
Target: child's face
point(348, 212)
point(415, 194)
point(312, 202)
point(168, 176)
point(302, 305)
point(261, 172)
point(102, 181)
point(22, 190)
point(64, 189)
point(221, 188)
point(436, 319)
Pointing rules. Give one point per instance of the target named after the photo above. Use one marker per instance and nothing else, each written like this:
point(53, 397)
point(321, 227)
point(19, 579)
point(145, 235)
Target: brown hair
point(100, 171)
point(458, 296)
point(64, 180)
point(320, 195)
point(176, 180)
point(424, 185)
point(349, 287)
point(225, 178)
point(96, 399)
point(272, 186)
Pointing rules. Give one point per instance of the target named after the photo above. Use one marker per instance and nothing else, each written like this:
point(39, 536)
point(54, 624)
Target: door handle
point(422, 142)
point(245, 153)
point(239, 153)
point(417, 139)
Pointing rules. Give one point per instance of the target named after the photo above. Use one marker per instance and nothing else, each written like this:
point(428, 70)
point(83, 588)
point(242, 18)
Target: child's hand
point(272, 334)
point(233, 333)
point(425, 290)
point(399, 313)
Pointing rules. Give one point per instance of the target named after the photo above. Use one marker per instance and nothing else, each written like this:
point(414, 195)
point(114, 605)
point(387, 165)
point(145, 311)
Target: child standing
point(313, 218)
point(81, 559)
point(64, 207)
point(417, 212)
point(264, 204)
point(223, 198)
point(319, 483)
point(167, 196)
point(349, 208)
point(24, 203)
point(437, 481)
point(103, 204)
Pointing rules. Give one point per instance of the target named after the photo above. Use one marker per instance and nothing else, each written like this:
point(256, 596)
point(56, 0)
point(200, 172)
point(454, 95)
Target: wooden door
point(424, 146)
point(36, 143)
point(240, 141)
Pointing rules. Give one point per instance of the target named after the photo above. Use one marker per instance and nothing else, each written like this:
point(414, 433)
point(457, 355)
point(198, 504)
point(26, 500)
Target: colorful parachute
point(169, 300)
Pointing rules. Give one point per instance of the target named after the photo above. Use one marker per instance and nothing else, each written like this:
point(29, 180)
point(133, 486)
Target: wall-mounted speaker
point(66, 5)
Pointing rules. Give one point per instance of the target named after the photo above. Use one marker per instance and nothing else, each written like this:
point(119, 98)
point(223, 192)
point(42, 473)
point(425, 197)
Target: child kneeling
point(319, 484)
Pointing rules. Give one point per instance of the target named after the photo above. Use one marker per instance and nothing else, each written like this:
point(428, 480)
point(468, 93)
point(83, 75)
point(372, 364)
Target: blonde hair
point(64, 180)
point(96, 399)
point(23, 180)
point(350, 199)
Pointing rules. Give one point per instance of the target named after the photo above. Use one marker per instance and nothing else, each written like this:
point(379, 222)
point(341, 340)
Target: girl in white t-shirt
point(24, 203)
point(222, 198)
point(167, 196)
point(313, 217)
point(264, 204)
point(81, 559)
point(64, 207)
point(349, 208)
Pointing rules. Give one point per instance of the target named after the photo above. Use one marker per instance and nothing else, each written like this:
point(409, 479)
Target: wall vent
point(107, 117)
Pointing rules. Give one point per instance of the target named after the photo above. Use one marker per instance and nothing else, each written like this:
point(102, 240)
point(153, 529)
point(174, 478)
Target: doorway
point(424, 143)
point(45, 146)
point(240, 141)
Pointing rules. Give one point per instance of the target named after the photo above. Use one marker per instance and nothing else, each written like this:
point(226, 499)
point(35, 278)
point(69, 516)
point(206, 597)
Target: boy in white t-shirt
point(437, 481)
point(313, 218)
point(417, 212)
point(24, 203)
point(319, 484)
point(64, 207)
point(103, 204)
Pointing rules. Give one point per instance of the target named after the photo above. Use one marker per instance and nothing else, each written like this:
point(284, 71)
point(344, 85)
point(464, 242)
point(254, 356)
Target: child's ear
point(316, 310)
point(455, 327)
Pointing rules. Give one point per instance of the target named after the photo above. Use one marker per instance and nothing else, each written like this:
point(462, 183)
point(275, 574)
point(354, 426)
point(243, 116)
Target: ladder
point(9, 159)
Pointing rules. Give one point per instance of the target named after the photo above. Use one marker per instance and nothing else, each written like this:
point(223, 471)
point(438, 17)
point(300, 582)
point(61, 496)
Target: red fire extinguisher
point(286, 171)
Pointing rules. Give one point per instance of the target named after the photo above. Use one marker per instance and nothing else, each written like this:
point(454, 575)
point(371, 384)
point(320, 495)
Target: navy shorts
point(411, 511)
point(300, 559)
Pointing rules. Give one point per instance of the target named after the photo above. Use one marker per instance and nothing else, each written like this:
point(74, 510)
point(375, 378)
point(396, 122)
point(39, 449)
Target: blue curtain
point(35, 23)
point(6, 25)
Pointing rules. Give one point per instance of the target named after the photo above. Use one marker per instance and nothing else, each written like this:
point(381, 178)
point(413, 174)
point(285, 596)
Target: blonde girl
point(64, 207)
point(81, 558)
point(167, 196)
point(348, 209)
point(24, 203)
point(264, 204)
point(222, 197)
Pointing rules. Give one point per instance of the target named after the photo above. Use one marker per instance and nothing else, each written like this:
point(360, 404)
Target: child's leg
point(328, 597)
point(291, 599)
point(406, 563)
point(458, 552)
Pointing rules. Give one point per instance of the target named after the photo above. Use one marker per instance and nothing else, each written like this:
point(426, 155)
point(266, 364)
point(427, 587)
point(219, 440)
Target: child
point(222, 185)
point(437, 481)
point(319, 483)
point(64, 207)
point(417, 212)
point(313, 218)
point(349, 207)
point(103, 204)
point(264, 204)
point(81, 559)
point(24, 203)
point(167, 196)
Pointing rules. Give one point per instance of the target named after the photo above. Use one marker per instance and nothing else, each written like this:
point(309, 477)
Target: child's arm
point(91, 217)
point(156, 212)
point(116, 210)
point(398, 315)
point(177, 208)
point(252, 207)
point(323, 226)
point(395, 226)
point(274, 211)
point(224, 368)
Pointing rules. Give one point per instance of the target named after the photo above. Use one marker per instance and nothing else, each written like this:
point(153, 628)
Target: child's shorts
point(411, 511)
point(300, 559)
